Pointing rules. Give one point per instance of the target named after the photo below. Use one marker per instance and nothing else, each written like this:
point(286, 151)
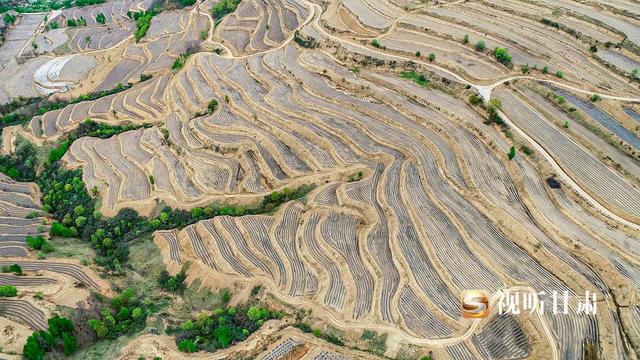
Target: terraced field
point(19, 216)
point(421, 191)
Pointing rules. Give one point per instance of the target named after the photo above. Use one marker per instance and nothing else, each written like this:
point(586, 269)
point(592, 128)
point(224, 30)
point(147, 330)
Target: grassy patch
point(419, 79)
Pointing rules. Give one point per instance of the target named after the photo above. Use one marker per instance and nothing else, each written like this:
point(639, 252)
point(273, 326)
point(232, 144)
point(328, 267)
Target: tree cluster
point(125, 314)
point(173, 283)
point(223, 327)
point(22, 165)
point(224, 7)
point(59, 337)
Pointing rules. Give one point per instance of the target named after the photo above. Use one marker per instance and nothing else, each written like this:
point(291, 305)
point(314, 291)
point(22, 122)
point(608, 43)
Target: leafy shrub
point(480, 46)
point(212, 106)
point(375, 43)
point(502, 55)
point(8, 291)
point(57, 229)
point(39, 243)
point(100, 18)
point(15, 268)
point(187, 346)
point(475, 99)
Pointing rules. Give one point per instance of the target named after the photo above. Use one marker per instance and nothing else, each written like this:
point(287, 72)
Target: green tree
point(418, 54)
point(559, 74)
point(465, 39)
point(480, 46)
point(634, 74)
point(431, 57)
point(375, 43)
point(512, 153)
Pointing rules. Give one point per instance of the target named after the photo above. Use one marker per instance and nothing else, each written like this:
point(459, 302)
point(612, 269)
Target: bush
point(57, 229)
point(419, 79)
point(101, 19)
point(431, 57)
point(475, 99)
point(480, 46)
point(187, 346)
point(36, 242)
point(559, 74)
point(8, 291)
point(173, 283)
point(15, 268)
point(512, 153)
point(60, 335)
point(375, 43)
point(502, 55)
point(9, 18)
point(212, 106)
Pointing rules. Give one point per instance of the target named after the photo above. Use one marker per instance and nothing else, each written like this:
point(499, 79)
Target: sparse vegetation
point(307, 42)
point(480, 46)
